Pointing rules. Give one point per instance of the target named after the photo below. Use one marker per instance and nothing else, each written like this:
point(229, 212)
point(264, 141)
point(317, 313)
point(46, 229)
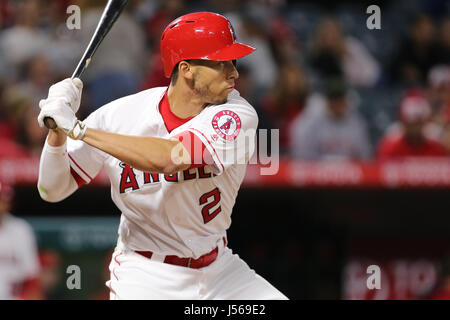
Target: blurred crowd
point(334, 88)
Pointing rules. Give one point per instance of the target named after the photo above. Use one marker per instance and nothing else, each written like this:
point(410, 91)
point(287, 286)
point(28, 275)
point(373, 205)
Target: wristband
point(77, 131)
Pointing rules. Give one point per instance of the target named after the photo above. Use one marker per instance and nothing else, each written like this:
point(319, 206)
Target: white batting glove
point(69, 90)
point(64, 117)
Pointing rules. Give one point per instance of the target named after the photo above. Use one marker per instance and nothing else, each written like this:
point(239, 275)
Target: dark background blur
point(311, 237)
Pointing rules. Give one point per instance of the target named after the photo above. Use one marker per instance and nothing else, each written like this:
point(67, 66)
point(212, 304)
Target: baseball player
point(19, 265)
point(176, 157)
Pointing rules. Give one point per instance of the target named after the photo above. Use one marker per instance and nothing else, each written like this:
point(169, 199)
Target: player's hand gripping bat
point(110, 14)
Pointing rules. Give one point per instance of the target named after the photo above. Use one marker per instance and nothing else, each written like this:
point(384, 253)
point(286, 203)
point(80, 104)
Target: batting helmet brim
point(232, 52)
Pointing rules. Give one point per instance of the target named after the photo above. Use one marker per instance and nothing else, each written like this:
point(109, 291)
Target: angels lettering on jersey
point(132, 179)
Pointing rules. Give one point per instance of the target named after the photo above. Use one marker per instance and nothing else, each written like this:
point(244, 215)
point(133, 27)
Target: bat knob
point(50, 123)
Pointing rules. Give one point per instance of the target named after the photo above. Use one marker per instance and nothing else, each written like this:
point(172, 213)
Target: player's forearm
point(55, 182)
point(148, 154)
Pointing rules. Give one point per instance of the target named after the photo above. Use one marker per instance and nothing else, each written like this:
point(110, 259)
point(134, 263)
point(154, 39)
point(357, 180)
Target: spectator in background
point(66, 45)
point(273, 23)
point(14, 105)
point(32, 136)
point(442, 289)
point(417, 54)
point(5, 127)
point(285, 101)
point(245, 85)
point(334, 130)
point(284, 42)
point(444, 42)
point(445, 134)
point(155, 75)
point(439, 96)
point(4, 67)
point(22, 137)
point(3, 14)
point(439, 92)
point(409, 139)
point(251, 29)
point(334, 54)
point(19, 266)
point(24, 39)
point(38, 77)
point(167, 12)
point(50, 274)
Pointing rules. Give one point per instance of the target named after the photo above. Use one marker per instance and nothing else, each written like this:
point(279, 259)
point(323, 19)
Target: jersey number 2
point(207, 215)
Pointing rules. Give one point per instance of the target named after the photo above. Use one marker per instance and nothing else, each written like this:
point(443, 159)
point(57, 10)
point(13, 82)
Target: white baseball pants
point(134, 277)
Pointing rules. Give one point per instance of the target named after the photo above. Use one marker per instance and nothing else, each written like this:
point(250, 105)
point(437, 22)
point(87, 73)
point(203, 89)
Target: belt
point(201, 262)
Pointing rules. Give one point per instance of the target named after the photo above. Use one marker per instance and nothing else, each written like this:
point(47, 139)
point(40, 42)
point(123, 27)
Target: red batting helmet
point(200, 35)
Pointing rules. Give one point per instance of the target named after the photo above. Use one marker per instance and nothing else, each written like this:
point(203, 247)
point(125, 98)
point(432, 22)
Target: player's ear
point(185, 70)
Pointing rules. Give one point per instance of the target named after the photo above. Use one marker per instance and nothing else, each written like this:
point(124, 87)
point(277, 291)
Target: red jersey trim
point(211, 146)
point(80, 181)
point(171, 120)
point(79, 166)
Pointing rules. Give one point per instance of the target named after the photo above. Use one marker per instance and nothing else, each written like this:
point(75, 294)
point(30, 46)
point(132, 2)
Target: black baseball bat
point(110, 14)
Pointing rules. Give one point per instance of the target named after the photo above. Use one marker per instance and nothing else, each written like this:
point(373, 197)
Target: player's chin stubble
point(207, 94)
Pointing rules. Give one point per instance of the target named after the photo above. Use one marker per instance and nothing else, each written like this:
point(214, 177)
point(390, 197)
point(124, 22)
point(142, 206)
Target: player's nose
point(232, 72)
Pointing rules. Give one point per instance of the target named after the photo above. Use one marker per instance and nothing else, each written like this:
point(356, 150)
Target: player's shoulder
point(134, 102)
point(134, 108)
point(234, 104)
point(236, 101)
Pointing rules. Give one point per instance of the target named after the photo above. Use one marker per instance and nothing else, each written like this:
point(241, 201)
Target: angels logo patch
point(227, 124)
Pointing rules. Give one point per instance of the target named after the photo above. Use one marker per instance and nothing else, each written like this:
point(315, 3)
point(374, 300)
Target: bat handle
point(50, 123)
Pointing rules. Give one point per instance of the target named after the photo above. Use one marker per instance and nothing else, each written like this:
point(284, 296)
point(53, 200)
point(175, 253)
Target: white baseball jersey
point(186, 213)
point(18, 255)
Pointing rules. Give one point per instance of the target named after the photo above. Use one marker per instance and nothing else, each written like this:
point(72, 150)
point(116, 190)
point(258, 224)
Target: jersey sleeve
point(199, 154)
point(86, 161)
point(224, 136)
